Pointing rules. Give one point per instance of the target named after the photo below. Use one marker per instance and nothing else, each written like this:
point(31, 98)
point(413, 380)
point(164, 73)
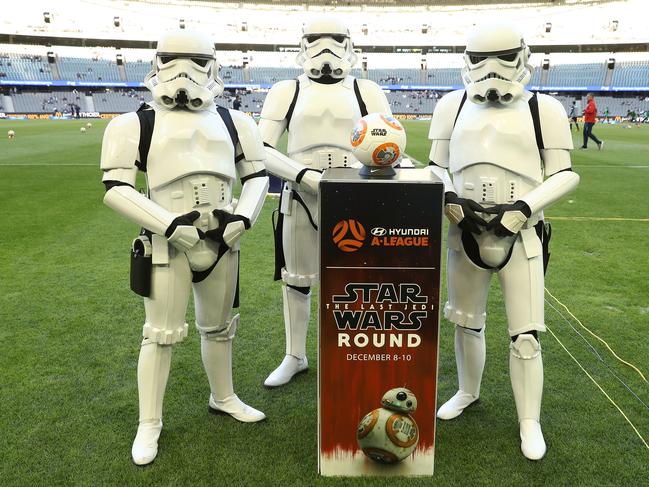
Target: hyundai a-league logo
point(349, 235)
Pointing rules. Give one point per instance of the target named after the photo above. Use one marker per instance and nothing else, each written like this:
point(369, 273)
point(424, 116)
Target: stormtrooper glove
point(461, 211)
point(509, 218)
point(230, 228)
point(182, 233)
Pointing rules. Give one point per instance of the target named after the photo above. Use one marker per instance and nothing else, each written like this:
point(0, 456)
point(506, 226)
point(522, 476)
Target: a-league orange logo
point(349, 235)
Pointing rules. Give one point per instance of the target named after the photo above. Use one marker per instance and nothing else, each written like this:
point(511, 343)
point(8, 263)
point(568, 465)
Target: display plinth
point(380, 244)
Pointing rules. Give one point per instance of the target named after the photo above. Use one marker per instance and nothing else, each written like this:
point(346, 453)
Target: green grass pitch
point(70, 331)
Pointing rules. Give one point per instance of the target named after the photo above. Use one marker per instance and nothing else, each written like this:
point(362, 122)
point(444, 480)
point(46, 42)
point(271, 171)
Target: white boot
point(216, 351)
point(526, 371)
point(470, 353)
point(297, 309)
point(152, 374)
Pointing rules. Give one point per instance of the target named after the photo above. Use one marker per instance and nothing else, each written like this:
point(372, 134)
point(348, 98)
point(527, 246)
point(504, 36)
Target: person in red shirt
point(589, 120)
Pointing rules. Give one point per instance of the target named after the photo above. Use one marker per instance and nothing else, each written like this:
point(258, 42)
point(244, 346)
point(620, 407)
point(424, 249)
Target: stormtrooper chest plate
point(499, 135)
point(186, 143)
point(324, 115)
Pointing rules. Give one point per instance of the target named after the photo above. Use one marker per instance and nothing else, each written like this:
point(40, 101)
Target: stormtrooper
point(319, 111)
point(191, 152)
point(507, 152)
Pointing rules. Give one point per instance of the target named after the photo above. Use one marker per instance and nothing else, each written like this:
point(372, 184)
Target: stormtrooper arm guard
point(272, 124)
point(441, 129)
point(119, 152)
point(252, 173)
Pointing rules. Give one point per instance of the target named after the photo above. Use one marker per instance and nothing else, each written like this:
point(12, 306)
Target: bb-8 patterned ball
point(390, 434)
point(378, 140)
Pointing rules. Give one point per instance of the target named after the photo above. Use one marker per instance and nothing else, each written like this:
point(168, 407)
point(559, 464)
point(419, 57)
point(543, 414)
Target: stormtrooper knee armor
point(192, 222)
point(503, 155)
point(320, 108)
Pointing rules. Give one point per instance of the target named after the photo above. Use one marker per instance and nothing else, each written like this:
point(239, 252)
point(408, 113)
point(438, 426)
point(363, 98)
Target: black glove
point(224, 218)
point(187, 220)
point(461, 211)
point(510, 218)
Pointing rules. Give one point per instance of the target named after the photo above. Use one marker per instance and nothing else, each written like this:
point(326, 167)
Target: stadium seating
point(631, 73)
point(24, 67)
point(576, 75)
point(88, 70)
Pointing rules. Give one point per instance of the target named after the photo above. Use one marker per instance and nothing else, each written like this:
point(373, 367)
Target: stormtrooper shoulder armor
point(279, 100)
point(249, 138)
point(554, 123)
point(119, 149)
point(443, 121)
point(373, 96)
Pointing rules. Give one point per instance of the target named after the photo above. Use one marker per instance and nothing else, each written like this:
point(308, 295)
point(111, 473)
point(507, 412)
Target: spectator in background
point(590, 114)
point(236, 104)
point(573, 115)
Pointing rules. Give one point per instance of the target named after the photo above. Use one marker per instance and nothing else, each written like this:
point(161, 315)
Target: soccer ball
point(11, 134)
point(89, 125)
point(389, 434)
point(378, 140)
point(83, 130)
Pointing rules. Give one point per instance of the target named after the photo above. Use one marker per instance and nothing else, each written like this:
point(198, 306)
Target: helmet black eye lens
point(167, 59)
point(200, 61)
point(401, 396)
point(476, 59)
point(508, 57)
point(338, 39)
point(311, 39)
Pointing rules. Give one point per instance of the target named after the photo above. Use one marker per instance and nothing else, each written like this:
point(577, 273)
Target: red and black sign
point(380, 244)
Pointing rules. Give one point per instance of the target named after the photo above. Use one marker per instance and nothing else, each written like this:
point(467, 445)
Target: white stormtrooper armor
point(193, 221)
point(507, 153)
point(319, 110)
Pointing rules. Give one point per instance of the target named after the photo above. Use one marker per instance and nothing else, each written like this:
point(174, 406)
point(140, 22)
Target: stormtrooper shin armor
point(495, 158)
point(190, 169)
point(321, 106)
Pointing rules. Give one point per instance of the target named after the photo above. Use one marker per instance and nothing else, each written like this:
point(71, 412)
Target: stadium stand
point(88, 70)
point(24, 66)
point(576, 75)
point(631, 73)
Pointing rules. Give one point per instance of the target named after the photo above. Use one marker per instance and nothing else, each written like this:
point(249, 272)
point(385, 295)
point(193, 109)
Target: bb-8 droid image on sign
point(389, 434)
point(378, 141)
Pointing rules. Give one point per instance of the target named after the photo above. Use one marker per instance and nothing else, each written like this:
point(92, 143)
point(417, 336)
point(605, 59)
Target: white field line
point(596, 219)
point(51, 165)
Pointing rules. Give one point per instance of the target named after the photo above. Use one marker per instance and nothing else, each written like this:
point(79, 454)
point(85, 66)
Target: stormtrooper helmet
point(496, 65)
point(185, 71)
point(326, 49)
